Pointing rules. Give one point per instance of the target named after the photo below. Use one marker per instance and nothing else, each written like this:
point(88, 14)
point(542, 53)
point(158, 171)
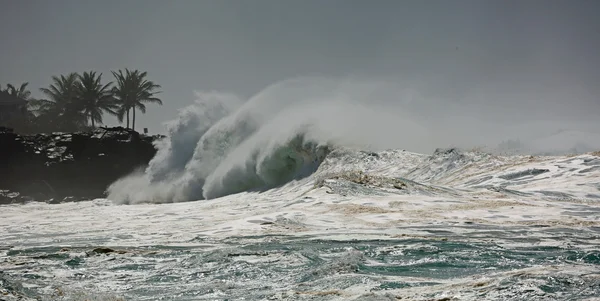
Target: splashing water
point(218, 147)
point(223, 144)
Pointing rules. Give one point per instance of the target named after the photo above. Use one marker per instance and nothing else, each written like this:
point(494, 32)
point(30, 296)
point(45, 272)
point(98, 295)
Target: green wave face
point(295, 159)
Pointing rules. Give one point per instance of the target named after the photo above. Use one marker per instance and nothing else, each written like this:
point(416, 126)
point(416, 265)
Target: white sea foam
point(371, 211)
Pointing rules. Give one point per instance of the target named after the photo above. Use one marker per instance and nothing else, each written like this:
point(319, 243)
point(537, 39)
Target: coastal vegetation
point(78, 102)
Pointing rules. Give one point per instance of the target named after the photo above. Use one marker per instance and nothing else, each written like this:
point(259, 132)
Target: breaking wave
point(222, 144)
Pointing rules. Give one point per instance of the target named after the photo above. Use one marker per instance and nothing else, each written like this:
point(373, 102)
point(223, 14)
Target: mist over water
point(222, 144)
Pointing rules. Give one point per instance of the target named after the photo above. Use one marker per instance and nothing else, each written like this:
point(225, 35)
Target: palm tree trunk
point(133, 120)
point(92, 118)
point(127, 118)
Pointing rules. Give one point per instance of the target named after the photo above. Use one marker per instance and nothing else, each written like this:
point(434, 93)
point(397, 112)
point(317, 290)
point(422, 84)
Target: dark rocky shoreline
point(62, 167)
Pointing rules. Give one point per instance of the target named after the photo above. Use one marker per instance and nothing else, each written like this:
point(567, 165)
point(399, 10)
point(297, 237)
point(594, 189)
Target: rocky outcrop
point(68, 166)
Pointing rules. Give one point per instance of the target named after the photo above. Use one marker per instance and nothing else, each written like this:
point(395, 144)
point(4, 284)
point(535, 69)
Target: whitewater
point(325, 189)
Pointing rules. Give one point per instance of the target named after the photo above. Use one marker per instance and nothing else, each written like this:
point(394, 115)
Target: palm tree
point(95, 98)
point(26, 118)
point(132, 92)
point(21, 93)
point(121, 94)
point(62, 106)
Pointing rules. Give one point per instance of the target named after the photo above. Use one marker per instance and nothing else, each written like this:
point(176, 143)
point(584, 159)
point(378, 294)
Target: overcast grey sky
point(241, 46)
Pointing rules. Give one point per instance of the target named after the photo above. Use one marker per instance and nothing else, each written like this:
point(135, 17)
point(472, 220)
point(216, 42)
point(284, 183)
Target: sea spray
point(168, 174)
point(177, 149)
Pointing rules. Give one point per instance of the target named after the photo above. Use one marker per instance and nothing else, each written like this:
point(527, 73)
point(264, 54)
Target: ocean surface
point(305, 192)
point(390, 225)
